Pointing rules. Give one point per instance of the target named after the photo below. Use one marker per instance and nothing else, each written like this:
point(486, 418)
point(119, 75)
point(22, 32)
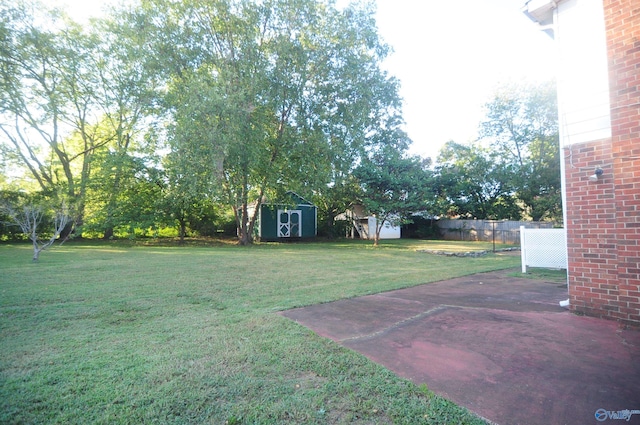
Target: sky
point(450, 57)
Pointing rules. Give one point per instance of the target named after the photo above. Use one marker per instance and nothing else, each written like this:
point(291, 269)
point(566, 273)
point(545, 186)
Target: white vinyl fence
point(543, 248)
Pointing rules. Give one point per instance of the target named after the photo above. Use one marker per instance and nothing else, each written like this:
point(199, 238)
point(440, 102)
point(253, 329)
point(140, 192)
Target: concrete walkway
point(500, 346)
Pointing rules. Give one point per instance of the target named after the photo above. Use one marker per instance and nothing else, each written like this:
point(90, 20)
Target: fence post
point(523, 253)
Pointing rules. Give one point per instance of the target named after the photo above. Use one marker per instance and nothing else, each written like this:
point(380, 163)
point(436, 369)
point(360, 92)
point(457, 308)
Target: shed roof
point(299, 199)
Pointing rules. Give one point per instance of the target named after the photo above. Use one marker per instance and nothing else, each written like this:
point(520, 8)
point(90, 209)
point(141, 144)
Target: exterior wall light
point(596, 175)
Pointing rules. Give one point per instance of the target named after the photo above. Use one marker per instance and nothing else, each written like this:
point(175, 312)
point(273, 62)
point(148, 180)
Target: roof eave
point(541, 12)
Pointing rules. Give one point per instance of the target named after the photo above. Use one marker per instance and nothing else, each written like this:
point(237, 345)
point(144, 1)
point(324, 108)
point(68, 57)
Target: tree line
point(187, 115)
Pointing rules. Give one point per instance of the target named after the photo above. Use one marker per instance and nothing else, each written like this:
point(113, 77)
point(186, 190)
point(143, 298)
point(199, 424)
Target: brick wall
point(591, 229)
point(622, 20)
point(603, 229)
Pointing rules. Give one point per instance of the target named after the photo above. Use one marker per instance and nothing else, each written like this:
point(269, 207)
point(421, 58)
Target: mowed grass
point(117, 334)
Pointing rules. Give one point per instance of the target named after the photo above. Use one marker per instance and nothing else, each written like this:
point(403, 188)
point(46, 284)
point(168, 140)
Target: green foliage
point(249, 99)
point(74, 101)
point(8, 229)
point(333, 199)
point(178, 113)
point(269, 97)
point(474, 183)
point(513, 172)
point(393, 187)
point(48, 83)
point(123, 193)
point(522, 126)
point(421, 228)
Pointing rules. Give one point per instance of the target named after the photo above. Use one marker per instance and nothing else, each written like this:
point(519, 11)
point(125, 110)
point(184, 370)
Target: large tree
point(71, 99)
point(274, 95)
point(125, 99)
point(521, 125)
point(394, 187)
point(513, 170)
point(252, 98)
point(46, 93)
point(474, 183)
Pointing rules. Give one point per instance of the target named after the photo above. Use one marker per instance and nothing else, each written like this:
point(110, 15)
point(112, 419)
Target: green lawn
point(538, 273)
point(114, 333)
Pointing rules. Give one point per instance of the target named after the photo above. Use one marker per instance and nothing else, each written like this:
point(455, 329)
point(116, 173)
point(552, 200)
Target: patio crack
point(399, 323)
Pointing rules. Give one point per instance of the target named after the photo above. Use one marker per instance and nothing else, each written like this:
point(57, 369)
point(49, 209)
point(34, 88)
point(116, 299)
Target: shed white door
point(289, 223)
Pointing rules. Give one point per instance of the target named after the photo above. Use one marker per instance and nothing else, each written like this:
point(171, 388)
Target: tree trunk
point(108, 233)
point(245, 237)
point(183, 231)
point(376, 233)
point(68, 230)
point(254, 217)
point(36, 249)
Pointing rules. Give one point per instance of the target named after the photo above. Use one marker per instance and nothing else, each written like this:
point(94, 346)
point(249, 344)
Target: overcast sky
point(450, 56)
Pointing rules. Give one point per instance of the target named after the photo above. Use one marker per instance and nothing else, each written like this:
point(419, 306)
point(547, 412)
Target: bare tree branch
point(29, 217)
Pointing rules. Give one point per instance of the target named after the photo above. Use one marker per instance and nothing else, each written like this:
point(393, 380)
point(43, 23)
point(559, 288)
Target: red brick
point(603, 226)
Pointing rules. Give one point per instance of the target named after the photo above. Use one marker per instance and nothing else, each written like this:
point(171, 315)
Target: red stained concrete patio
point(498, 345)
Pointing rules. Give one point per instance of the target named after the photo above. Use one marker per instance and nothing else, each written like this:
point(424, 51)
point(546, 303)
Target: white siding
point(583, 82)
point(387, 232)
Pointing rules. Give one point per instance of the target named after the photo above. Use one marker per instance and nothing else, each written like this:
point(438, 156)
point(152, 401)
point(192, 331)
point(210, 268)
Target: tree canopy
point(244, 99)
point(521, 126)
point(513, 170)
point(177, 114)
point(393, 187)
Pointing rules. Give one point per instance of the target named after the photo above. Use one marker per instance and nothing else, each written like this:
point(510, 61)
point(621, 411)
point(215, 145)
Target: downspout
point(563, 174)
point(552, 30)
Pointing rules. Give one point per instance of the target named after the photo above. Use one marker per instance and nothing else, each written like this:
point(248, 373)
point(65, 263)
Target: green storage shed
point(285, 222)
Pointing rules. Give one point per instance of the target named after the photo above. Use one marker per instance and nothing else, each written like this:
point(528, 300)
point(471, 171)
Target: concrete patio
point(500, 346)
